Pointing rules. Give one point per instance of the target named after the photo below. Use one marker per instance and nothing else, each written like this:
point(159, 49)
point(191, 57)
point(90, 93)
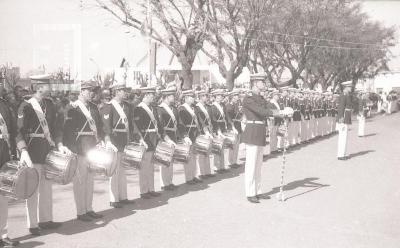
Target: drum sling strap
point(171, 114)
point(89, 119)
point(4, 132)
point(152, 119)
point(42, 121)
point(221, 114)
point(194, 118)
point(122, 116)
point(204, 110)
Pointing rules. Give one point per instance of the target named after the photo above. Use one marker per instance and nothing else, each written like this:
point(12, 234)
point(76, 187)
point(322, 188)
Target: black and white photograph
point(200, 123)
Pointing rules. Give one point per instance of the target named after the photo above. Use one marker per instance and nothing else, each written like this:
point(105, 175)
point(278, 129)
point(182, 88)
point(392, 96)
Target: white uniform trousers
point(83, 183)
point(146, 173)
point(221, 160)
point(233, 154)
point(254, 159)
point(291, 131)
point(203, 164)
point(41, 201)
point(3, 216)
point(273, 139)
point(342, 139)
point(118, 185)
point(361, 126)
point(303, 130)
point(312, 128)
point(190, 167)
point(166, 175)
point(296, 132)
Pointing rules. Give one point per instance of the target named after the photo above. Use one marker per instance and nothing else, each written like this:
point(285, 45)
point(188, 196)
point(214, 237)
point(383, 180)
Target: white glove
point(144, 144)
point(26, 159)
point(64, 150)
point(187, 140)
point(169, 141)
point(287, 111)
point(109, 145)
point(209, 135)
point(235, 131)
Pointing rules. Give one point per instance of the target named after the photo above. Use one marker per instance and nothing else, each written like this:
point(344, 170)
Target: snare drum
point(218, 145)
point(18, 182)
point(182, 152)
point(60, 168)
point(203, 145)
point(164, 153)
point(230, 140)
point(133, 155)
point(102, 160)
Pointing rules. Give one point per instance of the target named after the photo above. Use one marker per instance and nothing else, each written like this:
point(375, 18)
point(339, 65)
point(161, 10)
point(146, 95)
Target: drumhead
point(26, 183)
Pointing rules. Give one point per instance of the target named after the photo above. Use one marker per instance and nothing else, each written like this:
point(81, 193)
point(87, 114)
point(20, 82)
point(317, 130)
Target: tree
point(179, 25)
point(233, 25)
point(11, 75)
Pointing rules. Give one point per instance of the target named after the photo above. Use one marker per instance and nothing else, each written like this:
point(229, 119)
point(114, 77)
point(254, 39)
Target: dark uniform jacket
point(73, 122)
point(297, 109)
point(344, 109)
point(234, 116)
point(255, 108)
point(188, 125)
point(169, 126)
point(204, 122)
point(219, 121)
point(114, 127)
point(146, 126)
point(10, 123)
point(28, 123)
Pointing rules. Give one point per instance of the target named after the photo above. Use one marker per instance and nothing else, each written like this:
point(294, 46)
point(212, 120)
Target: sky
point(59, 33)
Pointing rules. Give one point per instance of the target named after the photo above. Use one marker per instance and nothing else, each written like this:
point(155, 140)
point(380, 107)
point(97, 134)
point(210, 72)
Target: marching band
point(203, 133)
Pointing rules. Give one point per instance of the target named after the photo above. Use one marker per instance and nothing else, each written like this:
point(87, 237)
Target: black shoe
point(116, 204)
point(126, 201)
point(84, 218)
point(191, 182)
point(94, 215)
point(49, 225)
point(197, 180)
point(154, 194)
point(342, 158)
point(234, 166)
point(145, 196)
point(7, 242)
point(203, 176)
point(35, 231)
point(210, 175)
point(263, 196)
point(253, 199)
point(167, 188)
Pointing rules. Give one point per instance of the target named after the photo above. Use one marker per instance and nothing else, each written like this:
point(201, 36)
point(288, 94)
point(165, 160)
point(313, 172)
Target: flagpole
point(149, 24)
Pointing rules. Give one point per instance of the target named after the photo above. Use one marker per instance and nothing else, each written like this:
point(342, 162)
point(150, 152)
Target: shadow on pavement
point(353, 155)
point(74, 226)
point(30, 244)
point(305, 183)
point(369, 135)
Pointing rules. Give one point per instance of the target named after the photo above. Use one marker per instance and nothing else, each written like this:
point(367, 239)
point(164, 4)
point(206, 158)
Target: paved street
point(331, 203)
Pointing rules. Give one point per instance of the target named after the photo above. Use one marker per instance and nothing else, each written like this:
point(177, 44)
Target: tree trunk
point(229, 80)
point(187, 76)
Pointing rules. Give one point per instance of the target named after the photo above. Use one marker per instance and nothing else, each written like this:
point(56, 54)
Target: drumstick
point(280, 195)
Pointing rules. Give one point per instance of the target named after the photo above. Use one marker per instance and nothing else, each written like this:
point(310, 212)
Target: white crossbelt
point(255, 122)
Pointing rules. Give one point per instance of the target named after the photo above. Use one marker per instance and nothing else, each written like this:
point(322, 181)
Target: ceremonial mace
point(280, 195)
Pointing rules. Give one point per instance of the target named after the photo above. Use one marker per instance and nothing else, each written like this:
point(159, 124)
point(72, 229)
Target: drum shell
point(230, 140)
point(133, 155)
point(203, 145)
point(164, 153)
point(60, 168)
point(218, 145)
point(182, 152)
point(102, 160)
point(18, 182)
